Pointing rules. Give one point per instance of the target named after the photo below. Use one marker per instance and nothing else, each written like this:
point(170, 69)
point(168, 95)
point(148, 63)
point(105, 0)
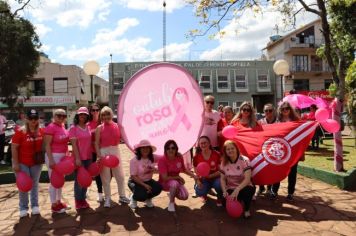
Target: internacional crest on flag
point(273, 149)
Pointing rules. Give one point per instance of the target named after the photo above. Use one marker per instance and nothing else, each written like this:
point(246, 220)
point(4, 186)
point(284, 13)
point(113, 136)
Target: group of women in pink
point(95, 135)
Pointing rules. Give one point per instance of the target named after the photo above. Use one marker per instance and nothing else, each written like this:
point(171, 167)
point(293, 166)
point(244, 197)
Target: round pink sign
point(161, 102)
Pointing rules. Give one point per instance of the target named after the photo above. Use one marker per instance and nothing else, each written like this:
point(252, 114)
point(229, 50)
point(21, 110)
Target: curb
point(9, 177)
point(345, 181)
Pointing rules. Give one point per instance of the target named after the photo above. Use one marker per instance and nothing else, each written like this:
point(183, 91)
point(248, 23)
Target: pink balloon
point(111, 161)
point(322, 114)
point(57, 179)
point(84, 178)
point(94, 169)
point(229, 132)
point(233, 208)
point(203, 169)
point(23, 181)
point(330, 125)
point(65, 167)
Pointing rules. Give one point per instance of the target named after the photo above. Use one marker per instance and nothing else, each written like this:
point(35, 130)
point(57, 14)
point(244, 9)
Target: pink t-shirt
point(210, 128)
point(234, 172)
point(109, 135)
point(92, 126)
point(142, 168)
point(59, 137)
point(170, 167)
point(83, 137)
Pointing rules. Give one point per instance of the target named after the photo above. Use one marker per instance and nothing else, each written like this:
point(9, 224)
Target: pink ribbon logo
point(180, 100)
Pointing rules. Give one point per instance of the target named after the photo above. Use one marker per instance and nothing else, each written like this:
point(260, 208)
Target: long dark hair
point(90, 108)
point(293, 115)
point(198, 150)
point(139, 154)
point(76, 119)
point(168, 143)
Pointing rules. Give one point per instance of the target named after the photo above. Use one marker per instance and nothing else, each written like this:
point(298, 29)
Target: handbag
point(39, 156)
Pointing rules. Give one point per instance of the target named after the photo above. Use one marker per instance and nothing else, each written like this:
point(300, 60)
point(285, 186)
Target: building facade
point(309, 74)
point(230, 82)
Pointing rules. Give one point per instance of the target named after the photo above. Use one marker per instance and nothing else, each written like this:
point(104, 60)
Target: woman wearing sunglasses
point(169, 168)
point(246, 117)
point(287, 113)
point(25, 143)
point(56, 144)
point(94, 121)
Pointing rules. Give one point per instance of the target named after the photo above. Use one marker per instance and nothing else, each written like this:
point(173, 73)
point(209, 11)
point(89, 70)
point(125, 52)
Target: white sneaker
point(107, 202)
point(124, 199)
point(148, 203)
point(35, 210)
point(133, 203)
point(100, 197)
point(171, 207)
point(23, 213)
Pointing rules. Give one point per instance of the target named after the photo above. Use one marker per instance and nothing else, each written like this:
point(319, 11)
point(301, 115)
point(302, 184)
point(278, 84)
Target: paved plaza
point(318, 209)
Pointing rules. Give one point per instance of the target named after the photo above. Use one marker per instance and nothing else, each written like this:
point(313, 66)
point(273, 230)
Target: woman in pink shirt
point(143, 187)
point(80, 137)
point(236, 176)
point(93, 123)
point(169, 167)
point(56, 144)
point(107, 140)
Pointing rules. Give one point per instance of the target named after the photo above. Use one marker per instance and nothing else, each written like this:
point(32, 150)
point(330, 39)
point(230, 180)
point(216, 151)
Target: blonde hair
point(106, 110)
point(59, 111)
point(26, 127)
point(252, 121)
point(225, 157)
point(293, 115)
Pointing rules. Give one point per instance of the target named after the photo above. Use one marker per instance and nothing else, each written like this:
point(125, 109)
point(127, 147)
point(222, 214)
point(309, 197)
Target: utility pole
point(164, 31)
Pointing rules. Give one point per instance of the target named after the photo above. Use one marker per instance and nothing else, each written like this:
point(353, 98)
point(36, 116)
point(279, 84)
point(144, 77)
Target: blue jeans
point(207, 185)
point(34, 172)
point(79, 192)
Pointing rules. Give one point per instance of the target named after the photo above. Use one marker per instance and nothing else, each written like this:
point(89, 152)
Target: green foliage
point(351, 88)
point(19, 57)
point(332, 90)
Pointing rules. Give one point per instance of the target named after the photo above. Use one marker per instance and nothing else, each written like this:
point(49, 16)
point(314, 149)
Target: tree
point(19, 56)
point(333, 15)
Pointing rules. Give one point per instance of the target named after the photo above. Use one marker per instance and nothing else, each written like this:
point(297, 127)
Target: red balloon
point(229, 132)
point(57, 179)
point(65, 167)
point(233, 208)
point(110, 161)
point(68, 158)
point(23, 181)
point(83, 177)
point(322, 114)
point(330, 125)
point(203, 169)
point(94, 169)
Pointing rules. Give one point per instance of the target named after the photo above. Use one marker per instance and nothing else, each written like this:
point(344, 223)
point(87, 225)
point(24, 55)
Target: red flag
point(273, 149)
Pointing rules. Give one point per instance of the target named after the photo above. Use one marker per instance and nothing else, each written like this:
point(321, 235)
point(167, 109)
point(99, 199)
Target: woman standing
point(169, 168)
point(25, 143)
point(205, 184)
point(246, 117)
point(94, 121)
point(56, 144)
point(236, 176)
point(286, 113)
point(80, 137)
point(107, 140)
point(143, 187)
point(228, 115)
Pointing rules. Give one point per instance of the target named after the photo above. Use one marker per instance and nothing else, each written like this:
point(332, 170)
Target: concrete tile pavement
point(318, 209)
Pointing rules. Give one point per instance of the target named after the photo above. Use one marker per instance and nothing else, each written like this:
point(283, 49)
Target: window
point(224, 103)
point(300, 63)
point(316, 63)
point(205, 81)
point(223, 81)
point(118, 83)
point(262, 79)
point(327, 83)
point(60, 85)
point(240, 80)
point(37, 87)
point(301, 84)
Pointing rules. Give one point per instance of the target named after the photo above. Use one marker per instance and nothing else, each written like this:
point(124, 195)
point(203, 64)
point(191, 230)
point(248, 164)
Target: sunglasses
point(95, 110)
point(246, 110)
point(209, 102)
point(171, 148)
point(61, 116)
point(285, 108)
point(268, 110)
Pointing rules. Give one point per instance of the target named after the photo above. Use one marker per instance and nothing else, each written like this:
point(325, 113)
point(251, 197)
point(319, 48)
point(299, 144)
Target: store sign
point(48, 101)
point(315, 94)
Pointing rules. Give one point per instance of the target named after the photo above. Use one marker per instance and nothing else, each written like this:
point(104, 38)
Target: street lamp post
point(91, 68)
point(281, 68)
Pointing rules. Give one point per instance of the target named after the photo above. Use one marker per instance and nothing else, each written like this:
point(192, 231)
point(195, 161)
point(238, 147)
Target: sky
point(75, 31)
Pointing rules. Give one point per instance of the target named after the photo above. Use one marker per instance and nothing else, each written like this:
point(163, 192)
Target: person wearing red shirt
point(317, 133)
point(26, 141)
point(228, 115)
point(246, 117)
point(205, 153)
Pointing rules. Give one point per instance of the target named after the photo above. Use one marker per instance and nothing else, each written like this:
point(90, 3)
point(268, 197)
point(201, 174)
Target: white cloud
point(45, 48)
point(152, 5)
point(71, 13)
point(42, 30)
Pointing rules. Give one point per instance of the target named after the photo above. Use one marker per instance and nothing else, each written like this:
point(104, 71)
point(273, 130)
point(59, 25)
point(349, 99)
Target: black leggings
point(140, 193)
point(99, 184)
point(245, 195)
point(292, 181)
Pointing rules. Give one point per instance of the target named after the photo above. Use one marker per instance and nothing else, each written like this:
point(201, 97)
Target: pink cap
point(83, 110)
